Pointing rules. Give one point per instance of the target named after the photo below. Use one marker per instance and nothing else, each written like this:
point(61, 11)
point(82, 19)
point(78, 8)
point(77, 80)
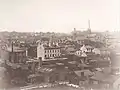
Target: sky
point(59, 15)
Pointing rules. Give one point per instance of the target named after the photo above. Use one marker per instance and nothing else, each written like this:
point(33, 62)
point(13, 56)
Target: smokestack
point(89, 29)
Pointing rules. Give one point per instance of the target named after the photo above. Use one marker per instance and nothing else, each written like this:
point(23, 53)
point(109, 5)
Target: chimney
point(57, 44)
point(12, 47)
point(74, 29)
point(49, 44)
point(40, 61)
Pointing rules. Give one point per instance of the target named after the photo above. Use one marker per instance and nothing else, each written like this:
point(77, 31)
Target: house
point(83, 48)
point(84, 76)
point(78, 53)
point(86, 48)
point(89, 48)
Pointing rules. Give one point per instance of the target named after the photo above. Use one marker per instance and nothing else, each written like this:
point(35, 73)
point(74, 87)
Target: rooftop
point(104, 77)
point(15, 49)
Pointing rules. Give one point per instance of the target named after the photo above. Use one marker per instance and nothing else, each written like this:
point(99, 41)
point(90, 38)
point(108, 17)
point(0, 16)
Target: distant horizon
point(58, 32)
point(59, 15)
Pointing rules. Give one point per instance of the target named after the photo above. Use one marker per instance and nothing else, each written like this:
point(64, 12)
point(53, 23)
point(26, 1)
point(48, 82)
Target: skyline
point(59, 15)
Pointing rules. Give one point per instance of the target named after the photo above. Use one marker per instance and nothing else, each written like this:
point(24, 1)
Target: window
point(45, 51)
point(45, 56)
point(82, 73)
point(58, 50)
point(51, 51)
point(56, 55)
point(48, 51)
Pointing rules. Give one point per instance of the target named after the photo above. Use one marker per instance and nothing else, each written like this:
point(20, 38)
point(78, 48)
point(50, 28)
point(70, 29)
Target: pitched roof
point(104, 77)
point(87, 72)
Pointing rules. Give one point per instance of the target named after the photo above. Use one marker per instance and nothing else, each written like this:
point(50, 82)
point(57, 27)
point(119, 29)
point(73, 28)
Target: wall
point(4, 55)
point(52, 53)
point(116, 83)
point(40, 51)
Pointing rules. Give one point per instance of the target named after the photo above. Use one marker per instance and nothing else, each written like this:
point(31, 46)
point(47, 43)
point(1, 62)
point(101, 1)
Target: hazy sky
point(59, 15)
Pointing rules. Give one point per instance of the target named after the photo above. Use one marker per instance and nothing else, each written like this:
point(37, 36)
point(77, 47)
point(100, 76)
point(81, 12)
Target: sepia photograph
point(59, 44)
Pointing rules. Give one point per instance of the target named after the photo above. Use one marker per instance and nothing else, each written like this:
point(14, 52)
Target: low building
point(70, 50)
point(96, 51)
point(83, 48)
point(97, 37)
point(106, 80)
point(86, 48)
point(78, 53)
point(14, 54)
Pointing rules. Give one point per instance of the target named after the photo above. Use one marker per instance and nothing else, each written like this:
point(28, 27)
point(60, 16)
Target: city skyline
point(59, 15)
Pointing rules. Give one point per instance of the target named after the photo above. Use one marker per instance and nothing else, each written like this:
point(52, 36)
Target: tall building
point(48, 52)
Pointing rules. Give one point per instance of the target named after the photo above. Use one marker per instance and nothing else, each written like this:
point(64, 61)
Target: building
point(86, 48)
point(48, 52)
point(96, 51)
point(32, 51)
point(96, 37)
point(78, 52)
point(70, 50)
point(83, 48)
point(17, 55)
point(106, 80)
point(13, 54)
